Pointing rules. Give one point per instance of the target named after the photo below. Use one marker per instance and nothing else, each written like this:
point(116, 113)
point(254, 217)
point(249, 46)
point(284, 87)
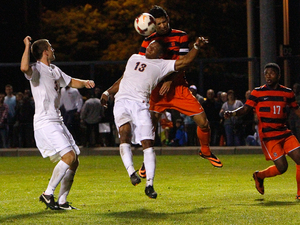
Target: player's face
point(162, 25)
point(272, 77)
point(153, 50)
point(50, 52)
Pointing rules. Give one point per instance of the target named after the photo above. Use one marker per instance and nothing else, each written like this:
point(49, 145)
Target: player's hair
point(38, 47)
point(273, 66)
point(158, 12)
point(163, 45)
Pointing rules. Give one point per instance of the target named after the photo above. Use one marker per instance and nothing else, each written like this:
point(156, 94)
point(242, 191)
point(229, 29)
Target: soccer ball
point(145, 24)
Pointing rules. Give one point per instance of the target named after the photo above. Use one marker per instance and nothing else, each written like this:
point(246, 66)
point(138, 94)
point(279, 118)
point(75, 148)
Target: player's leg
point(295, 155)
point(203, 133)
point(66, 184)
point(155, 117)
point(59, 171)
point(279, 167)
point(150, 166)
point(126, 153)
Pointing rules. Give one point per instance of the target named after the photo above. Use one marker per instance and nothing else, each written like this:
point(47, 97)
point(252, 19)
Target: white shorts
point(138, 115)
point(53, 140)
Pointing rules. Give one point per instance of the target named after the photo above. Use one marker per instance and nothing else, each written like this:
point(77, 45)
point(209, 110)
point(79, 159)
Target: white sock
point(58, 173)
point(65, 186)
point(150, 164)
point(126, 155)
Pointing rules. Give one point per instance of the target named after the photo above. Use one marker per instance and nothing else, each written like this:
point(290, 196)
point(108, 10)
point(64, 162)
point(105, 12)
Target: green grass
point(190, 191)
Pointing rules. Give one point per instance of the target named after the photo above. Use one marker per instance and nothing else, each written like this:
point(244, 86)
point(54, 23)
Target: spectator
point(219, 98)
point(180, 138)
point(212, 109)
point(10, 100)
point(253, 140)
point(191, 130)
point(91, 114)
point(248, 119)
point(222, 130)
point(3, 121)
point(224, 97)
point(193, 89)
point(233, 125)
point(71, 103)
point(24, 120)
point(166, 124)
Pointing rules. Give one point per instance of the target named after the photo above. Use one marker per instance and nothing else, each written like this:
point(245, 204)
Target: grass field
point(190, 191)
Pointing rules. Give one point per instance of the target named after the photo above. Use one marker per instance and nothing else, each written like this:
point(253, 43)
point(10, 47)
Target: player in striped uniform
point(173, 92)
point(270, 102)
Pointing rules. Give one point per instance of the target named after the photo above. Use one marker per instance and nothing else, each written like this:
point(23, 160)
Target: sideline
point(188, 150)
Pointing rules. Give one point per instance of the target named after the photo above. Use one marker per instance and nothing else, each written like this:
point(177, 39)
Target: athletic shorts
point(179, 98)
point(138, 115)
point(54, 139)
point(275, 149)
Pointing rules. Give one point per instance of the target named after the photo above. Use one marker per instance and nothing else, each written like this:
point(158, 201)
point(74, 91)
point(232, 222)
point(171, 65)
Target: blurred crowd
point(93, 126)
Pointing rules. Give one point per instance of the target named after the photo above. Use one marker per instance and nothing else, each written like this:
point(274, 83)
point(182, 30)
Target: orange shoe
point(212, 159)
point(259, 183)
point(142, 171)
point(298, 197)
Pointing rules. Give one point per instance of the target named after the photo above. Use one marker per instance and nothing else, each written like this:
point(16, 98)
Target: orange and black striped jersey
point(271, 109)
point(177, 43)
point(176, 40)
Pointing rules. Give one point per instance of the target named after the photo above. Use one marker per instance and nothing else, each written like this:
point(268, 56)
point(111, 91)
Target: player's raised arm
point(188, 58)
point(25, 62)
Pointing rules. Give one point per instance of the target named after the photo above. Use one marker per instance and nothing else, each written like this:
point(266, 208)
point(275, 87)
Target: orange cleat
point(259, 183)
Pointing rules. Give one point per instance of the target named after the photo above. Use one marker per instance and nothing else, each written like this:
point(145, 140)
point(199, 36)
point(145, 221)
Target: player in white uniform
point(131, 109)
point(51, 135)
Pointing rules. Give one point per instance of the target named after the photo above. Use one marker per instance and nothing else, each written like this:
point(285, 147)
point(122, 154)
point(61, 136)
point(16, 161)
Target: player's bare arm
point(25, 62)
point(110, 91)
point(77, 83)
point(188, 58)
point(243, 110)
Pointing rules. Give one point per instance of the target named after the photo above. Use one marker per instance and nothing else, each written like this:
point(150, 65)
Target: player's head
point(161, 19)
point(274, 66)
point(40, 47)
point(155, 49)
point(272, 74)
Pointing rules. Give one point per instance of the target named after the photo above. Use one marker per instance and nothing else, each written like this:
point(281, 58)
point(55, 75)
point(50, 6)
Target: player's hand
point(104, 100)
point(89, 84)
point(201, 41)
point(228, 114)
point(165, 87)
point(27, 40)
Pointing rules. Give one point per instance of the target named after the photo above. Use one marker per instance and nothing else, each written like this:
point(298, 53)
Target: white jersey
point(45, 85)
point(141, 76)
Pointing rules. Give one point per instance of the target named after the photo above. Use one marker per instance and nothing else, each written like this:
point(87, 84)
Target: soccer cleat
point(66, 206)
point(49, 201)
point(298, 197)
point(149, 191)
point(212, 159)
point(134, 178)
point(259, 183)
point(142, 171)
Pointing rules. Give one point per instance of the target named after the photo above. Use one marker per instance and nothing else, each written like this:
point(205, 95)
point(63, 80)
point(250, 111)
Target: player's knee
point(204, 126)
point(70, 158)
point(282, 168)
